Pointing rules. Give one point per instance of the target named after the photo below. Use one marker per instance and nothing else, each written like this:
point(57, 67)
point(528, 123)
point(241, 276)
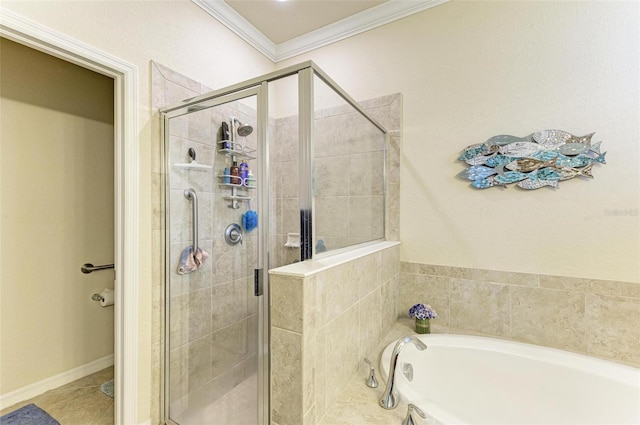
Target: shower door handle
point(257, 282)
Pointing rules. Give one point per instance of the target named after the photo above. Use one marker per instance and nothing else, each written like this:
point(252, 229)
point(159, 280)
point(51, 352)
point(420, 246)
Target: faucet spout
point(389, 399)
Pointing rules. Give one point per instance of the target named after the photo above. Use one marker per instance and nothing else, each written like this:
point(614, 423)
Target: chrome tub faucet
point(389, 399)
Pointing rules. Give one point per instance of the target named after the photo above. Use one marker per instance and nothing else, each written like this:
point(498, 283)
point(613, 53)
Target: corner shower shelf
point(236, 149)
point(239, 186)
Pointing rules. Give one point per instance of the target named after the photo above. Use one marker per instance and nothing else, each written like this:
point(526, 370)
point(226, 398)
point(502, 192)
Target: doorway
point(32, 34)
point(57, 143)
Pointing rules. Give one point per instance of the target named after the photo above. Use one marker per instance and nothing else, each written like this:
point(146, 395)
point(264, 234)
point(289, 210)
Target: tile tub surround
point(599, 318)
point(358, 404)
point(326, 315)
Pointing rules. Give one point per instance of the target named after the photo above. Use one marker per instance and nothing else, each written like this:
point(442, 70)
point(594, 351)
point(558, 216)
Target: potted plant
point(422, 315)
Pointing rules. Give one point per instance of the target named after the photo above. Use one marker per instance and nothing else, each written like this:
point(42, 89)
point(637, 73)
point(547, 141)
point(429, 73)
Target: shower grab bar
point(88, 267)
point(191, 194)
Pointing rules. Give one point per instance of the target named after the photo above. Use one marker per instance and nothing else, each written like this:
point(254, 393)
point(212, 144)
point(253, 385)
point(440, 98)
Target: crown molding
point(360, 22)
point(236, 23)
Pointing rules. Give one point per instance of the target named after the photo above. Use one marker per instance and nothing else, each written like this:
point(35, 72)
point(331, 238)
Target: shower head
point(243, 129)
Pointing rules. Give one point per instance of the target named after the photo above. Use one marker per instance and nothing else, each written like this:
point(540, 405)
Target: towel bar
point(191, 194)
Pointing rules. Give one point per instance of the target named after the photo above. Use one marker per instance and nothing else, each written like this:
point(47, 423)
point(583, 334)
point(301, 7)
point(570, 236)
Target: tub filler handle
point(410, 420)
point(372, 382)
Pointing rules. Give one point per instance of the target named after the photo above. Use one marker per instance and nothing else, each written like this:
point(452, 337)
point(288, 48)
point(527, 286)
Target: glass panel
point(348, 173)
point(284, 169)
point(212, 311)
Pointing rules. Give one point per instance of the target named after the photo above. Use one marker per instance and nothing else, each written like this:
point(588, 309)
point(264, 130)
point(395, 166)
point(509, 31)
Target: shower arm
point(191, 194)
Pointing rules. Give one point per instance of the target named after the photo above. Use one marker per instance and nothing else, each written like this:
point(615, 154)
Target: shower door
point(215, 353)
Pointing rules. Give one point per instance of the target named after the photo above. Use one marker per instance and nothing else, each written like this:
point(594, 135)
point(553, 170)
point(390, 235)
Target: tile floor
point(77, 403)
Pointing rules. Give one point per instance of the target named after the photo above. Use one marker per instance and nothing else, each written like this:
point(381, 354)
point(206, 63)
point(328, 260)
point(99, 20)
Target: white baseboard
point(40, 387)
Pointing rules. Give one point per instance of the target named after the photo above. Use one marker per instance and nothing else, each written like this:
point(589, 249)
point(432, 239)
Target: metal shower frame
point(259, 87)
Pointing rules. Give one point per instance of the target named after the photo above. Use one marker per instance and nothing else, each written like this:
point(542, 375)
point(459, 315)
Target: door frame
point(125, 75)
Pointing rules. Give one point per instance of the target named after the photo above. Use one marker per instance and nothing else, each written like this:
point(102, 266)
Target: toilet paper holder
point(97, 297)
point(105, 298)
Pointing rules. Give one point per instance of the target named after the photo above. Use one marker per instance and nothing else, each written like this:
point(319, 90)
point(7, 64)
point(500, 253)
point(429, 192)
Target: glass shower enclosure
point(251, 173)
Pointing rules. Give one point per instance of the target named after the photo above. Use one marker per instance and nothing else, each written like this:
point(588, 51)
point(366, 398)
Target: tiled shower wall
point(348, 179)
point(213, 330)
point(595, 317)
point(322, 325)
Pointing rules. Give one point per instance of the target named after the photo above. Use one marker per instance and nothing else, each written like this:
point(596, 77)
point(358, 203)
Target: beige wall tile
point(365, 173)
point(548, 317)
point(330, 222)
point(321, 388)
point(595, 286)
point(364, 214)
point(199, 313)
point(340, 293)
point(521, 279)
point(365, 273)
point(342, 352)
point(199, 362)
point(286, 372)
point(389, 263)
point(370, 320)
point(286, 302)
point(479, 306)
point(613, 327)
point(432, 290)
point(388, 302)
point(228, 302)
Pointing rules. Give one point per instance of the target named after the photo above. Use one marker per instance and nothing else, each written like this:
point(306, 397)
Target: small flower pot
point(423, 326)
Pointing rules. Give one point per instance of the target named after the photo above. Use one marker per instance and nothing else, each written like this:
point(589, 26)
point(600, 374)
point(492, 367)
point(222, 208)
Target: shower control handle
point(233, 234)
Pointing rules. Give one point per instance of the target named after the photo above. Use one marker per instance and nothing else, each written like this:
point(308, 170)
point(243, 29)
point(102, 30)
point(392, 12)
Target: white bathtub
point(475, 380)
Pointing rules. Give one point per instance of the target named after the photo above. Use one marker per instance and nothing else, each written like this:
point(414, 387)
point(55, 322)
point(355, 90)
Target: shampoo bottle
point(235, 173)
point(244, 173)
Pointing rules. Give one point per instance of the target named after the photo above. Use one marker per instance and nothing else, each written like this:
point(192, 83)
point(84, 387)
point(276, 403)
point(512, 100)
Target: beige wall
point(180, 35)
point(469, 70)
point(57, 213)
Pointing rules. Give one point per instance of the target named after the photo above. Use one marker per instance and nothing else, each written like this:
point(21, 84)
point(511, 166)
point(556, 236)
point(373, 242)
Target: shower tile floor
point(237, 407)
point(77, 403)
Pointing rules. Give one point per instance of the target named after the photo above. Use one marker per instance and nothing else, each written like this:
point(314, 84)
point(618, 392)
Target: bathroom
point(466, 71)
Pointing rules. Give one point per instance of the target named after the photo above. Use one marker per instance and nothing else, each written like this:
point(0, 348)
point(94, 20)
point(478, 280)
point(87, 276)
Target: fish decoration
point(497, 160)
point(567, 173)
point(520, 149)
point(551, 139)
point(486, 183)
point(541, 159)
point(537, 184)
point(506, 139)
point(510, 177)
point(529, 164)
point(479, 160)
point(477, 172)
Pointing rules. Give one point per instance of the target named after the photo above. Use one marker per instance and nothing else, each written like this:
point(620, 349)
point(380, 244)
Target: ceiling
point(283, 20)
point(283, 29)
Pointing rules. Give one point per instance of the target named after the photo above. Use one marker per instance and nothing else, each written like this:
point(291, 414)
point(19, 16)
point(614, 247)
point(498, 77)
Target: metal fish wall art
point(541, 159)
